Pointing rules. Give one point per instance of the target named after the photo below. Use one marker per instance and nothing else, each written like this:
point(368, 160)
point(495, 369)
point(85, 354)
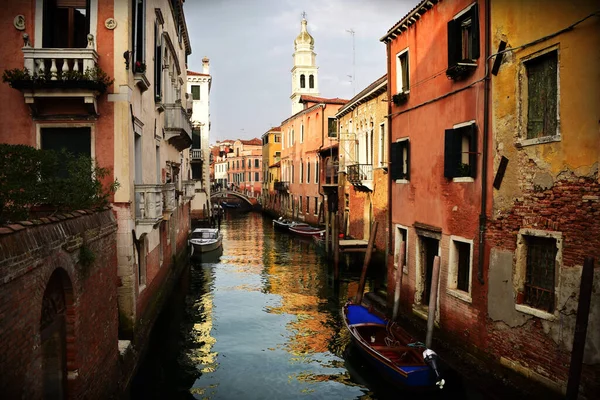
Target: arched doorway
point(53, 334)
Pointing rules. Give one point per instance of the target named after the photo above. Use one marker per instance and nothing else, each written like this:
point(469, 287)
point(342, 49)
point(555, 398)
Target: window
point(301, 171)
point(299, 203)
point(542, 95)
point(256, 163)
point(460, 151)
point(460, 267)
point(195, 92)
point(256, 177)
point(302, 81)
point(401, 244)
point(463, 37)
point(316, 205)
point(382, 145)
point(292, 173)
point(158, 56)
point(138, 32)
point(402, 80)
point(308, 171)
point(307, 205)
point(317, 172)
point(311, 81)
point(66, 24)
point(277, 138)
point(302, 133)
point(331, 127)
point(237, 164)
point(77, 141)
point(539, 282)
point(400, 160)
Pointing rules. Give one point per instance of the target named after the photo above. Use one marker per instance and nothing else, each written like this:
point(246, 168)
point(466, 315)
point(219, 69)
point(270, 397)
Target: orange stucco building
point(305, 139)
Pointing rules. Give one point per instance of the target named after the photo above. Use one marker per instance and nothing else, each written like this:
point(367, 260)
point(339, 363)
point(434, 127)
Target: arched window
point(311, 81)
point(302, 81)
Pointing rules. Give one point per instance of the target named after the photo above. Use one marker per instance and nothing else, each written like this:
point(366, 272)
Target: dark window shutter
point(139, 50)
point(396, 161)
point(453, 43)
point(475, 30)
point(407, 174)
point(157, 63)
point(473, 150)
point(452, 149)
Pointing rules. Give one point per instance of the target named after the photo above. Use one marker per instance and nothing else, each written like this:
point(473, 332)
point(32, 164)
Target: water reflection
point(259, 321)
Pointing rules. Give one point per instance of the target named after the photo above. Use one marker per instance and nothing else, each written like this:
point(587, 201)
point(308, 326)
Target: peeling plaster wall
point(551, 186)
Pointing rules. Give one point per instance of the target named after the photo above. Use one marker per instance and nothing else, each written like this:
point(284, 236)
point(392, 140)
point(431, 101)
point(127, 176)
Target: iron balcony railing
point(197, 155)
point(281, 186)
point(359, 173)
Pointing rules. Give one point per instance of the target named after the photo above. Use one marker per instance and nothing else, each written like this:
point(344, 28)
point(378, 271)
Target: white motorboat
point(204, 240)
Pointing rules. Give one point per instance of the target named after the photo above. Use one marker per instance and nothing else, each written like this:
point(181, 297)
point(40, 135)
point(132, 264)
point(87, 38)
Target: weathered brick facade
point(31, 254)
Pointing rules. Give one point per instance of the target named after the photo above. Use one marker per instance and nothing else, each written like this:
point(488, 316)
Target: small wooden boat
point(391, 350)
point(230, 205)
point(204, 240)
point(306, 230)
point(283, 224)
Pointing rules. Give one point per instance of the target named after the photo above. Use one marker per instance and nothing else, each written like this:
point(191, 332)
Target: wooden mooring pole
point(581, 323)
point(335, 239)
point(432, 301)
point(363, 275)
point(400, 266)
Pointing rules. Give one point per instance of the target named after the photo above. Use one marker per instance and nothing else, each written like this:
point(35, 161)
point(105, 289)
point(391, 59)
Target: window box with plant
point(400, 98)
point(93, 79)
point(463, 43)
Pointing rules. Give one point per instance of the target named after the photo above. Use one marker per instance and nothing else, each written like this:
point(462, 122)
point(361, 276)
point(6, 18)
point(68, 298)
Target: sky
point(250, 44)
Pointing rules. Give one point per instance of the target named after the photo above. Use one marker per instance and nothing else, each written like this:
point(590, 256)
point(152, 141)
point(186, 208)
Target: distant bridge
point(227, 193)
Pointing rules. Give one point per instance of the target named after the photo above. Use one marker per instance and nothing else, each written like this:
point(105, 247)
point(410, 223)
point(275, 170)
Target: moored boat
point(390, 349)
point(285, 224)
point(306, 230)
point(204, 240)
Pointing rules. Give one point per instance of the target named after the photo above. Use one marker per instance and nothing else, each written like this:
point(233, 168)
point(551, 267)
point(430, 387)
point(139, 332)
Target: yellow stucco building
point(544, 187)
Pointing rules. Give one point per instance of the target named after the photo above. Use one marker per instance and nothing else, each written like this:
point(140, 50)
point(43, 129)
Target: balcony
point(178, 128)
point(58, 74)
point(361, 175)
point(168, 200)
point(197, 155)
point(188, 190)
point(281, 186)
point(148, 207)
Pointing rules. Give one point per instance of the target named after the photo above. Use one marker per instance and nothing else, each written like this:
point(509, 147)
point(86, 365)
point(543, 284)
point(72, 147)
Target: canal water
point(260, 320)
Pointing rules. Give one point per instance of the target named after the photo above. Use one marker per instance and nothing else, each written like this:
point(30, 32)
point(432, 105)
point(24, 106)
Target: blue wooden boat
point(391, 350)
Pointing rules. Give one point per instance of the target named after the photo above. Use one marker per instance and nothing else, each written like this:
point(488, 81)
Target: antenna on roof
point(351, 31)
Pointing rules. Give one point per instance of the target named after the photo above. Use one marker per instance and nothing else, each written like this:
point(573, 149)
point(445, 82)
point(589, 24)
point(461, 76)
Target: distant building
point(244, 167)
point(198, 89)
point(271, 153)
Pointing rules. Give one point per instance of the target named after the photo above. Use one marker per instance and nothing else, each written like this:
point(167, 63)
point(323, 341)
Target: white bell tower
point(305, 71)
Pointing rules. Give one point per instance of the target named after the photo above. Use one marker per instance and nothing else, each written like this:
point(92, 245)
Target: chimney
point(205, 63)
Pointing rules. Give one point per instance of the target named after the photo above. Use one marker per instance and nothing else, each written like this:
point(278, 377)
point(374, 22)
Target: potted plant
point(400, 98)
point(139, 67)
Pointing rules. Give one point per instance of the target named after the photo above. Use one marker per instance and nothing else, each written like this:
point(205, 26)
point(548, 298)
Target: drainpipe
point(484, 159)
point(389, 150)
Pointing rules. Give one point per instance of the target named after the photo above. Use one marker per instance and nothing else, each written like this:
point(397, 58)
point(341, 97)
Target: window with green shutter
point(195, 92)
point(542, 95)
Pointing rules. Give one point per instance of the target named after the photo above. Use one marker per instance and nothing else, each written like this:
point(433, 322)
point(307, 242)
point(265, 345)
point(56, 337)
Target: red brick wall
point(571, 206)
point(29, 256)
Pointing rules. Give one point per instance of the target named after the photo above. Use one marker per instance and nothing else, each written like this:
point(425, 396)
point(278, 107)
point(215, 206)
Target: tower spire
point(304, 71)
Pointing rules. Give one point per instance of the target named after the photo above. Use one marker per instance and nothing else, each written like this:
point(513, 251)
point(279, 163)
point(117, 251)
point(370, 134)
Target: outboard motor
point(431, 358)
